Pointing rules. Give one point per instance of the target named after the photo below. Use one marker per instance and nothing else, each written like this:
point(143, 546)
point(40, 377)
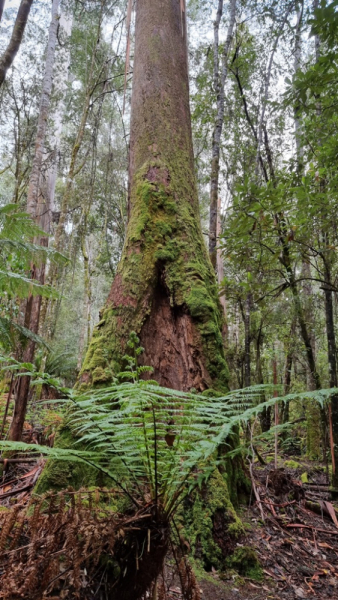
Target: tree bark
point(332, 360)
point(38, 210)
point(165, 288)
point(7, 58)
point(247, 340)
point(220, 273)
point(2, 4)
point(265, 415)
point(285, 412)
point(219, 83)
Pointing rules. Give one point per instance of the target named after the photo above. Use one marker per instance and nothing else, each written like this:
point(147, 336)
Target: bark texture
point(7, 58)
point(165, 288)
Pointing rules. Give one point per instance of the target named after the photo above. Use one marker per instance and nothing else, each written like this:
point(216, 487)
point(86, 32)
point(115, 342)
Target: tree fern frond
point(140, 432)
point(19, 285)
point(8, 325)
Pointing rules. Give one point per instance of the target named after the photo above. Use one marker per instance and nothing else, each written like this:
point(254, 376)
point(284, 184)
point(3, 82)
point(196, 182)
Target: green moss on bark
point(164, 240)
point(210, 524)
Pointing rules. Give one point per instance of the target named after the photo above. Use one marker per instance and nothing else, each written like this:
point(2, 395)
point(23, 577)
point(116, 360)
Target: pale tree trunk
point(265, 416)
point(247, 340)
point(267, 80)
point(37, 208)
point(165, 288)
point(219, 85)
point(60, 86)
point(55, 274)
point(73, 167)
point(8, 56)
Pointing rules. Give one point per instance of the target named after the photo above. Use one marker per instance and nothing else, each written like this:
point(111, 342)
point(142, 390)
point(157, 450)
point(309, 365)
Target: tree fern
point(155, 441)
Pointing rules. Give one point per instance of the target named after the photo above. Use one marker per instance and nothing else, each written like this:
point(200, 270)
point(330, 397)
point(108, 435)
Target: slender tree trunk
point(165, 288)
point(332, 359)
point(60, 86)
point(7, 58)
point(219, 84)
point(297, 65)
point(285, 413)
point(2, 4)
point(37, 208)
point(265, 416)
point(247, 341)
point(220, 273)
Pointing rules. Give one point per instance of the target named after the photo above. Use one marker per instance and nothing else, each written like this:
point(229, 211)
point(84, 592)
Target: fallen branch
point(301, 526)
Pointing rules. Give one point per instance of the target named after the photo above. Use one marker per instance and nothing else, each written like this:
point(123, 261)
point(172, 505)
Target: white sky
point(11, 3)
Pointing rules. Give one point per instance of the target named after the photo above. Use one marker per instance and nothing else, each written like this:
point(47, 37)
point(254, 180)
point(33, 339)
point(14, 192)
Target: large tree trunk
point(38, 210)
point(165, 288)
point(7, 58)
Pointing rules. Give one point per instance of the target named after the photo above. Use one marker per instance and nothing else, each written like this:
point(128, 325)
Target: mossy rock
point(244, 560)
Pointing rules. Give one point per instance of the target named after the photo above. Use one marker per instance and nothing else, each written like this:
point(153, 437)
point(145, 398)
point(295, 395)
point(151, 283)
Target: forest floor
point(296, 543)
point(292, 523)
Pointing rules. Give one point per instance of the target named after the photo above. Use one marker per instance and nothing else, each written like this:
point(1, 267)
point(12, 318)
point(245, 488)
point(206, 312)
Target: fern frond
point(140, 432)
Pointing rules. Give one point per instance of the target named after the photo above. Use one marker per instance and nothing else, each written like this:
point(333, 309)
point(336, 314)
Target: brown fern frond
point(8, 525)
point(19, 527)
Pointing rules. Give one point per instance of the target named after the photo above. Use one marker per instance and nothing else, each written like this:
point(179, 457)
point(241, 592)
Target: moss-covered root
point(210, 524)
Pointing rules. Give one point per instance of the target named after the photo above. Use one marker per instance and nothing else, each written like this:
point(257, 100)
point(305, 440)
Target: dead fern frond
point(7, 527)
point(189, 585)
point(63, 546)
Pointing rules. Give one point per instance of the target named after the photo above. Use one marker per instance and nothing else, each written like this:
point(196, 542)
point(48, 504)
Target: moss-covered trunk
point(165, 288)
